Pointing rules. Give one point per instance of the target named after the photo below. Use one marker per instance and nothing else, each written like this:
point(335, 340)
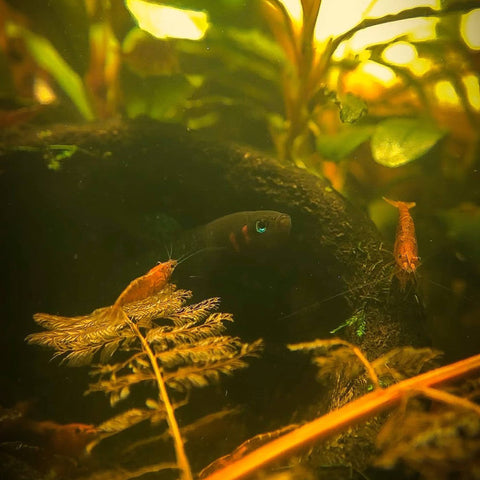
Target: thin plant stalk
point(346, 416)
point(450, 399)
point(182, 459)
point(367, 365)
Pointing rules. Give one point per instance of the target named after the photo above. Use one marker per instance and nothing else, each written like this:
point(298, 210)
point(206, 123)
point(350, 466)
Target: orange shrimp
point(148, 284)
point(405, 249)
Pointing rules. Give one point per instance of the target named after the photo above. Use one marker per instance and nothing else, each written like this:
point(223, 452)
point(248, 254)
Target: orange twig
point(350, 414)
point(450, 399)
point(368, 366)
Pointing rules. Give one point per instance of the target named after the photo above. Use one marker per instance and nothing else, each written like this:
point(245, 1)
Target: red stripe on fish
point(246, 236)
point(234, 242)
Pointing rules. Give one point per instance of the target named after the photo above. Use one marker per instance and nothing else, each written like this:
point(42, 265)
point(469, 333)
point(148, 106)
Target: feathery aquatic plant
point(148, 336)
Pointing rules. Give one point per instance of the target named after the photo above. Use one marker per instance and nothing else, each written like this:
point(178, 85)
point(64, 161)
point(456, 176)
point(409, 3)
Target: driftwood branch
point(174, 169)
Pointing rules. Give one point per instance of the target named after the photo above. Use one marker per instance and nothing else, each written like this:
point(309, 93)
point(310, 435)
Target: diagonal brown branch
point(449, 399)
point(344, 417)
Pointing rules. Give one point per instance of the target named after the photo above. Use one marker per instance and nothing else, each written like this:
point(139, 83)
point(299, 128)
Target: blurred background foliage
point(379, 96)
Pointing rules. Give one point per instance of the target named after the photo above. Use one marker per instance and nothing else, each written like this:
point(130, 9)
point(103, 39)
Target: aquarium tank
point(240, 239)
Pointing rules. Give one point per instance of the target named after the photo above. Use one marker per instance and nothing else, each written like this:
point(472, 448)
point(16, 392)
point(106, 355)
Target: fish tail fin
point(398, 204)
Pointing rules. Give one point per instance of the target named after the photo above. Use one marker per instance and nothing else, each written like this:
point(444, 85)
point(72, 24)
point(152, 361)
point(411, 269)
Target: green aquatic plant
point(307, 94)
point(394, 142)
point(357, 320)
point(149, 337)
point(54, 155)
point(286, 87)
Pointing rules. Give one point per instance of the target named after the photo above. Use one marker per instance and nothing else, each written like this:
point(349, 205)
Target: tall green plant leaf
point(47, 57)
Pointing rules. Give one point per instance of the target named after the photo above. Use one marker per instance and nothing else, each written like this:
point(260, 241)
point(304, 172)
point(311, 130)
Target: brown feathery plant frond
point(335, 356)
point(157, 340)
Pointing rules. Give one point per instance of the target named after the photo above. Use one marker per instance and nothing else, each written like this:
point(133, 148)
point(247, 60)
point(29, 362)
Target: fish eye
point(261, 226)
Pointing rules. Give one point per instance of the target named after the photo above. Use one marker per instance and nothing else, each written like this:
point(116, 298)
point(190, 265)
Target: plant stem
point(450, 399)
point(368, 366)
point(350, 414)
point(182, 459)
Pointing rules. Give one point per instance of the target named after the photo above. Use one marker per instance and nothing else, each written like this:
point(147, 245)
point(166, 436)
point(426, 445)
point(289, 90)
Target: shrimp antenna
point(316, 304)
point(187, 256)
point(168, 250)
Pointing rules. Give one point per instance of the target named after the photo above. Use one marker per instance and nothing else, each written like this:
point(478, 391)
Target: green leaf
point(164, 21)
point(160, 97)
point(146, 55)
point(49, 59)
point(339, 146)
point(398, 141)
point(352, 108)
point(234, 52)
point(257, 43)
